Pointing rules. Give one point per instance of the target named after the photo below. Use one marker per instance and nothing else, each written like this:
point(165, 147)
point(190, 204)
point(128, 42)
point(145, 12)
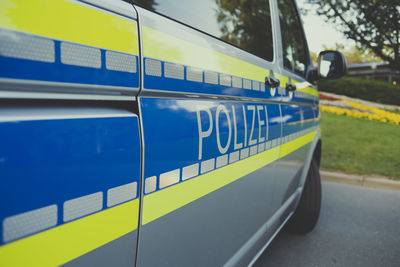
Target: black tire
point(306, 214)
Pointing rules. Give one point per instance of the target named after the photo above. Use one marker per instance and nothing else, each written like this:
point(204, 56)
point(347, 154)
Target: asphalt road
point(358, 226)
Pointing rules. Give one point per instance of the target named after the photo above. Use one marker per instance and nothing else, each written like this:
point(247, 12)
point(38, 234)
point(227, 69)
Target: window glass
point(244, 23)
point(293, 43)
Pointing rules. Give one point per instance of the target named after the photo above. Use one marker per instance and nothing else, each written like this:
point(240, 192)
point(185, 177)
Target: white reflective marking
point(261, 147)
point(256, 86)
point(121, 194)
point(150, 184)
point(79, 55)
point(267, 145)
point(222, 161)
point(82, 206)
point(26, 47)
point(237, 82)
point(244, 153)
point(207, 165)
point(273, 143)
point(246, 84)
point(233, 157)
point(29, 222)
point(190, 171)
point(211, 77)
point(225, 80)
point(120, 62)
point(175, 71)
point(194, 74)
point(153, 67)
point(253, 150)
point(169, 178)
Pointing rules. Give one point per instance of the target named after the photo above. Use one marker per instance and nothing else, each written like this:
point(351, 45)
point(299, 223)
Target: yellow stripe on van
point(162, 202)
point(167, 200)
point(301, 86)
point(66, 242)
point(63, 20)
point(165, 47)
point(309, 90)
point(297, 143)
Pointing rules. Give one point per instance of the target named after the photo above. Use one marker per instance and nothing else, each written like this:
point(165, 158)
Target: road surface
point(358, 226)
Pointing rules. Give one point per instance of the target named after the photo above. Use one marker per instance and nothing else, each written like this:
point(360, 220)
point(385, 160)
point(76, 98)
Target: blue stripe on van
point(26, 69)
point(185, 85)
point(47, 162)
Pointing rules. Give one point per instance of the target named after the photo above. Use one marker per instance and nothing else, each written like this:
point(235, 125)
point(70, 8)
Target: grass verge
point(360, 146)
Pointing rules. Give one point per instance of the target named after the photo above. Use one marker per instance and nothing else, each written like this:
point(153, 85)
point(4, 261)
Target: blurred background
point(361, 111)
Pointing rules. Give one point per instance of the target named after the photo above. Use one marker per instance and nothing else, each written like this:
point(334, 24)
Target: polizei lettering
point(236, 126)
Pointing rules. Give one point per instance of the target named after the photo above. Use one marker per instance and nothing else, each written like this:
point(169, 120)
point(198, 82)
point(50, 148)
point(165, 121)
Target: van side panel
point(211, 135)
point(70, 165)
point(70, 181)
point(62, 49)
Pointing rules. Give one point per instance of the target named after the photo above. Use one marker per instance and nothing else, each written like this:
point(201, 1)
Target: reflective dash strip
point(162, 46)
point(59, 245)
point(156, 206)
point(168, 48)
point(64, 20)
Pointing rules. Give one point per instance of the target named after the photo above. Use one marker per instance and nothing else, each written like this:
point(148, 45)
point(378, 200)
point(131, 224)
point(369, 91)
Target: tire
point(307, 212)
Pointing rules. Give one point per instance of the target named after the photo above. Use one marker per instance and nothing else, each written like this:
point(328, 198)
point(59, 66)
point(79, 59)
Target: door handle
point(290, 87)
point(272, 82)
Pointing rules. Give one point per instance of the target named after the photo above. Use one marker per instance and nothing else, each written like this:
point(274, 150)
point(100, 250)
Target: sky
point(318, 32)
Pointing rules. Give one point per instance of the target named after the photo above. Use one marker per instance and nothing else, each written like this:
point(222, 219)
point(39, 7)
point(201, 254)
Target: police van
point(156, 132)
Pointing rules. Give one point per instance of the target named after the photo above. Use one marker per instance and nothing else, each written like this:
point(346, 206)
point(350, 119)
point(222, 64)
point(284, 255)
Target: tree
point(246, 24)
point(373, 24)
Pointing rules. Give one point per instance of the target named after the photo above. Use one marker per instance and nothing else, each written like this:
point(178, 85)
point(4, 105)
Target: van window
point(246, 24)
point(293, 42)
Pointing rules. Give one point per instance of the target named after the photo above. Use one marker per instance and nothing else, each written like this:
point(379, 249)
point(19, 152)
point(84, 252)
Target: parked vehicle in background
point(155, 132)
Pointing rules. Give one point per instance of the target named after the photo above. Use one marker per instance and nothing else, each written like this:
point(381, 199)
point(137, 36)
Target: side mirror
point(331, 65)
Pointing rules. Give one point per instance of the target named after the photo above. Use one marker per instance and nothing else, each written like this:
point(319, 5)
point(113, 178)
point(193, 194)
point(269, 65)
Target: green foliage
point(359, 146)
point(246, 24)
point(372, 24)
point(372, 90)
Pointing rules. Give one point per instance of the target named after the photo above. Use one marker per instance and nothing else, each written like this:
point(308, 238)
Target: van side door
point(298, 102)
point(211, 132)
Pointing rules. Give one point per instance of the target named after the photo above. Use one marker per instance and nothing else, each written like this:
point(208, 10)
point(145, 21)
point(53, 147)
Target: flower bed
point(353, 109)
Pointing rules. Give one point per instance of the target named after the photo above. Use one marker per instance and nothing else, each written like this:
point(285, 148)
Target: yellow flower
point(369, 113)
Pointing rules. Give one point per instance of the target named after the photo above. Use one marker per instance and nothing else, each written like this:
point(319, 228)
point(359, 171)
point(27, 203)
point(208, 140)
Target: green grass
point(360, 146)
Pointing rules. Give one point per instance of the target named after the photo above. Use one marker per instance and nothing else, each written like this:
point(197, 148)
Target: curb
point(374, 182)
